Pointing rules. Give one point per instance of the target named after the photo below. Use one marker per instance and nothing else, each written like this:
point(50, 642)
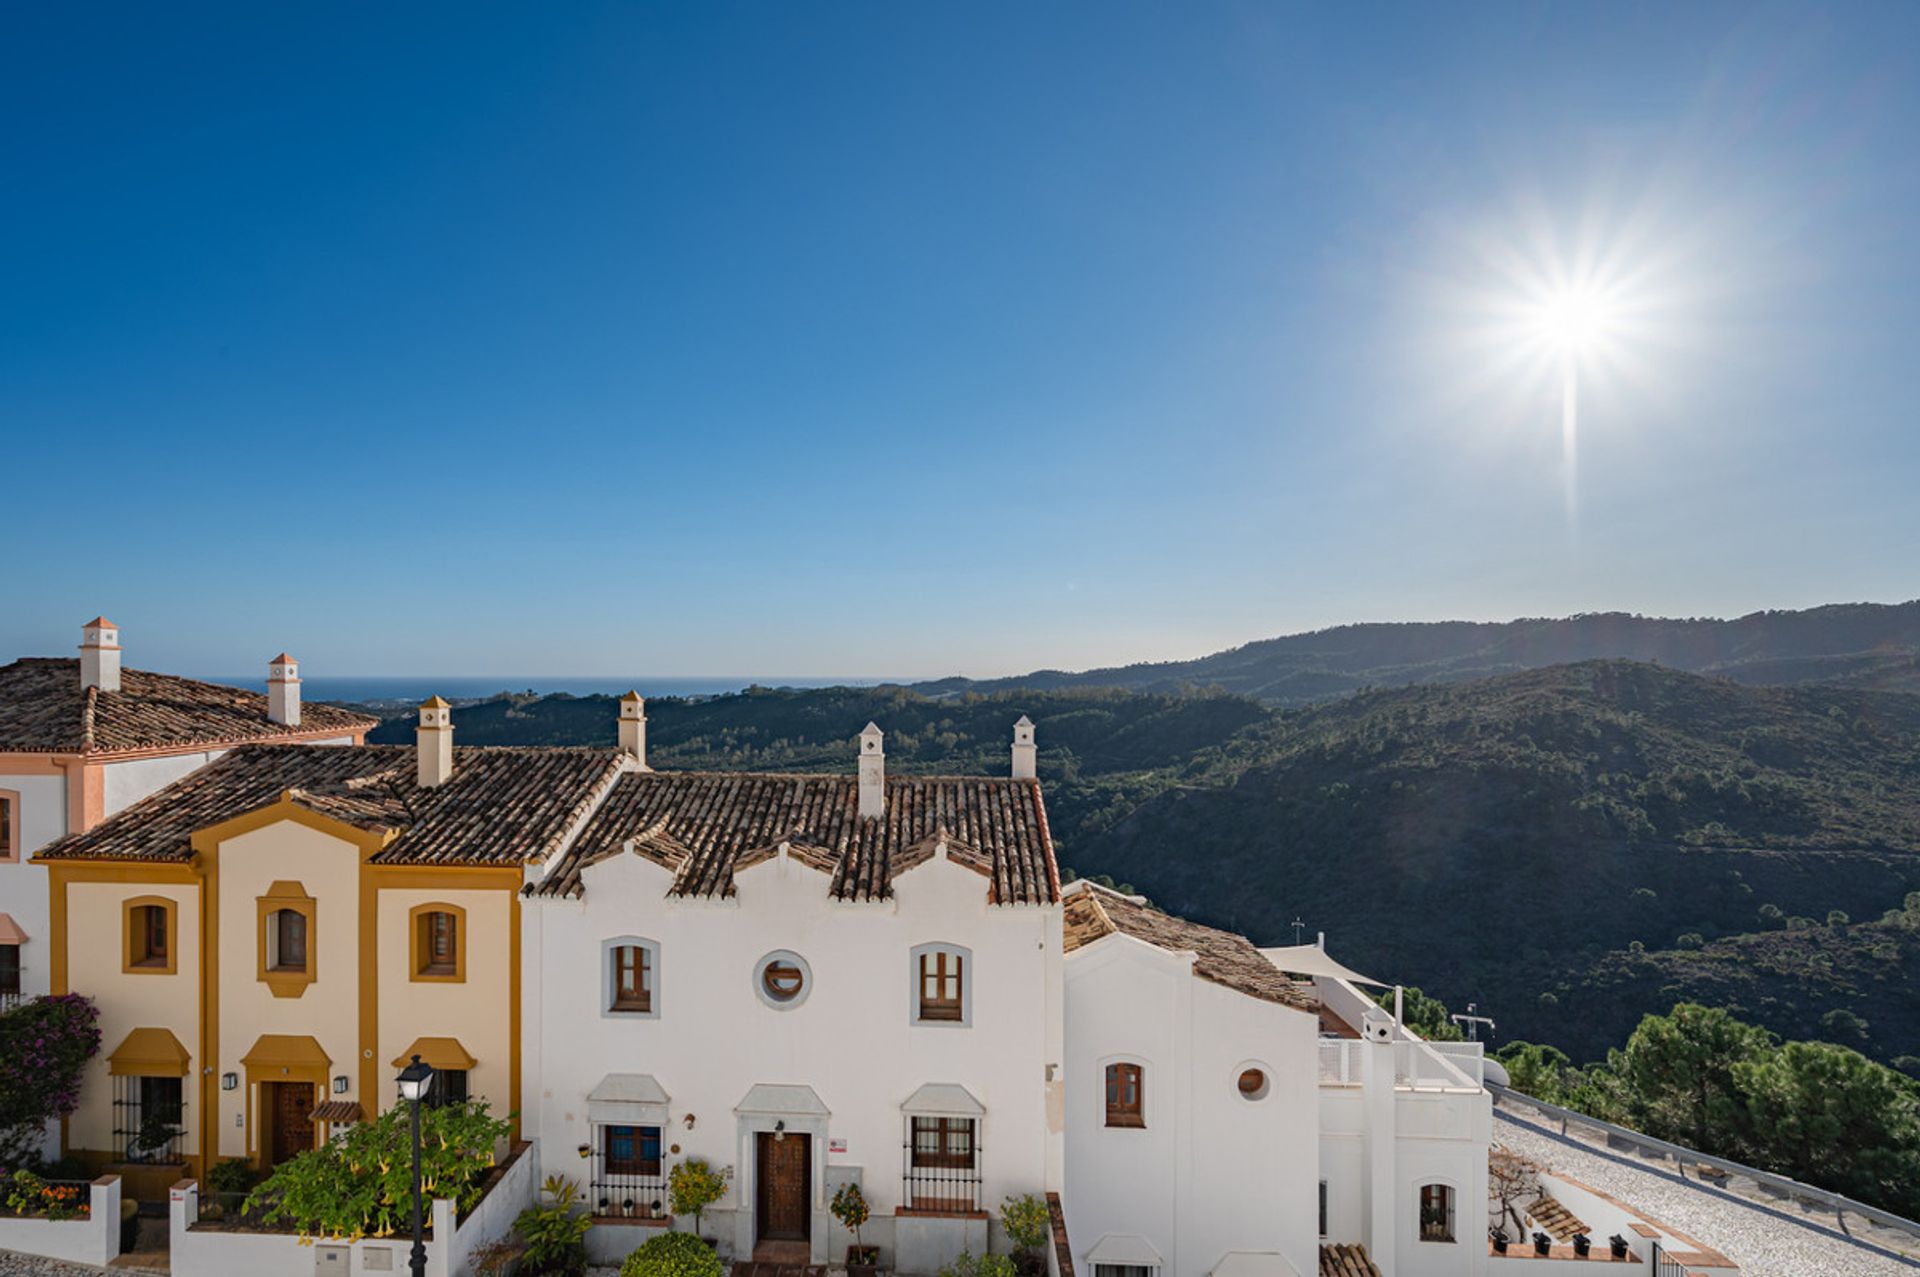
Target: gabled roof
point(1092, 913)
point(501, 806)
point(707, 826)
point(44, 710)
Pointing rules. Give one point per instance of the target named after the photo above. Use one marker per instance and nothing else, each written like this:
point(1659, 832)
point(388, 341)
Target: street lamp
point(414, 1081)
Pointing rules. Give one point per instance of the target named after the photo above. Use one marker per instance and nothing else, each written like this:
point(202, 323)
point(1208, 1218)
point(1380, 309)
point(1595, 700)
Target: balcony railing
point(8, 1001)
point(1417, 1065)
point(1340, 1061)
point(946, 1184)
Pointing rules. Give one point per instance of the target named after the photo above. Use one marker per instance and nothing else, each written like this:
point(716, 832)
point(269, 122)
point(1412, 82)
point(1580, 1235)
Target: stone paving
point(1766, 1237)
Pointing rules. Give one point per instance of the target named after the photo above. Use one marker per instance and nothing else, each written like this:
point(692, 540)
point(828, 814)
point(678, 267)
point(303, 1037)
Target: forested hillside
point(1508, 841)
point(1865, 645)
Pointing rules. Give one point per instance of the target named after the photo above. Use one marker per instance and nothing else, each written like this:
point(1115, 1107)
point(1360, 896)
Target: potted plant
point(1028, 1224)
point(1542, 1244)
point(604, 1207)
point(849, 1206)
point(1499, 1236)
point(694, 1185)
point(1582, 1244)
point(1617, 1246)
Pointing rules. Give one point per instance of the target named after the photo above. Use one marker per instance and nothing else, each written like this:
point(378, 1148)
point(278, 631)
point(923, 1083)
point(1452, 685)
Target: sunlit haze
point(794, 341)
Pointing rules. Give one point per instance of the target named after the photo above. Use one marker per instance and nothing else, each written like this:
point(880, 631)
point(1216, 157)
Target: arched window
point(439, 942)
point(1126, 1094)
point(148, 935)
point(629, 977)
point(942, 984)
point(288, 936)
point(1436, 1213)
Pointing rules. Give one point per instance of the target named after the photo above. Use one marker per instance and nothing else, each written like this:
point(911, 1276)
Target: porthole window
point(1252, 1084)
point(782, 979)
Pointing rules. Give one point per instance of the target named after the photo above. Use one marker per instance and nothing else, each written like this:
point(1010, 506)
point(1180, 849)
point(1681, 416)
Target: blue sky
point(915, 339)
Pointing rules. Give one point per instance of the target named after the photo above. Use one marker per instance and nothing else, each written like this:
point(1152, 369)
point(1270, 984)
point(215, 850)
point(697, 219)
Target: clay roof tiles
point(501, 806)
point(1093, 913)
point(707, 825)
point(45, 710)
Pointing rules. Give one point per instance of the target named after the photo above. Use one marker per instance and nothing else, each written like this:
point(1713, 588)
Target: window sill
point(1136, 1125)
point(431, 976)
point(287, 984)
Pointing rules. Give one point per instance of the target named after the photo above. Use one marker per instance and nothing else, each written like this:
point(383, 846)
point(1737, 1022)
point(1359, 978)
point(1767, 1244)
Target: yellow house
point(269, 938)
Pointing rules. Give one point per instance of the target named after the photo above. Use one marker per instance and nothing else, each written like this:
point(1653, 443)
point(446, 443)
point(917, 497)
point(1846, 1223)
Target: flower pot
point(1617, 1246)
point(1582, 1244)
point(1542, 1244)
point(1499, 1237)
point(863, 1261)
point(605, 1207)
point(626, 1208)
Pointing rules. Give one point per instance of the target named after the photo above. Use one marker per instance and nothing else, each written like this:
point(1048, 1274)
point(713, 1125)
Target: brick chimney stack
point(873, 773)
point(283, 690)
point(633, 726)
point(1025, 752)
point(100, 655)
point(435, 742)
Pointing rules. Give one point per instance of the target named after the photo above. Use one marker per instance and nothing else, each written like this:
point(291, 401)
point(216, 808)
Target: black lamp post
point(414, 1081)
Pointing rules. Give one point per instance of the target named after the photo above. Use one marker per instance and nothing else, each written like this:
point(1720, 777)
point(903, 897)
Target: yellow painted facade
point(357, 1007)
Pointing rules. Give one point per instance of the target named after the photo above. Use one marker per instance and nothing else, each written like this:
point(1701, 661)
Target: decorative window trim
point(287, 982)
point(417, 971)
point(916, 984)
point(608, 1011)
point(128, 908)
point(783, 957)
point(11, 852)
point(1136, 1119)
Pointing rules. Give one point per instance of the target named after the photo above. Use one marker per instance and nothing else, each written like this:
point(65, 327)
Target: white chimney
point(633, 726)
point(283, 690)
point(1024, 750)
point(100, 655)
point(435, 742)
point(873, 773)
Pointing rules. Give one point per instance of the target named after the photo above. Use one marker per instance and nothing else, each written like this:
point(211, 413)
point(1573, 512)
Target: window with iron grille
point(1125, 1270)
point(1126, 1086)
point(449, 1086)
point(628, 1175)
point(148, 1116)
point(438, 947)
point(9, 971)
point(942, 1164)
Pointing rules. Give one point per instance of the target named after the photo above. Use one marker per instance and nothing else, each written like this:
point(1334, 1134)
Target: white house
point(82, 738)
point(805, 980)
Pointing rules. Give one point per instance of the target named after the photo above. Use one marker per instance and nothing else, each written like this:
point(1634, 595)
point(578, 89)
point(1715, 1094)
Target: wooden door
point(289, 1108)
point(782, 1188)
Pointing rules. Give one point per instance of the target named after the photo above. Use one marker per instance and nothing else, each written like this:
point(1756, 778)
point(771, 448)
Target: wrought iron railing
point(945, 1182)
point(633, 1191)
point(147, 1127)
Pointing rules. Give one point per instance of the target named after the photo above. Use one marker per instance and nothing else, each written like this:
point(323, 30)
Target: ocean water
point(411, 689)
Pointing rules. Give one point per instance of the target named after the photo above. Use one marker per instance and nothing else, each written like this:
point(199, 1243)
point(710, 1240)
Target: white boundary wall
point(93, 1240)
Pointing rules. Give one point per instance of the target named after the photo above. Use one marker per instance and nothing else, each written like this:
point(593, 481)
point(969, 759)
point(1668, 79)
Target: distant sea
point(411, 689)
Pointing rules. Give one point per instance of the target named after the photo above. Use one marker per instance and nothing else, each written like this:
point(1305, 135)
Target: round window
point(782, 979)
point(1253, 1084)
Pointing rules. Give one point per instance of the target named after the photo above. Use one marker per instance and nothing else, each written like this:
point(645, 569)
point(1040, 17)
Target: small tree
point(1027, 1222)
point(851, 1209)
point(1514, 1179)
point(694, 1185)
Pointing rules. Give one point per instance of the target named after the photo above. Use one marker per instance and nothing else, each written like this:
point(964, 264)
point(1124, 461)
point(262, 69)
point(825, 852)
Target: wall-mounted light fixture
point(229, 1081)
point(340, 1084)
point(780, 1130)
point(689, 1121)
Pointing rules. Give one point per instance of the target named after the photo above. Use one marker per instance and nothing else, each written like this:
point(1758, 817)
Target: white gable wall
point(1211, 1172)
point(851, 1039)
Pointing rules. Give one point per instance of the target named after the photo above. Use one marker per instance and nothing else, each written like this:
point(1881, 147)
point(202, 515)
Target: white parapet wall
point(94, 1240)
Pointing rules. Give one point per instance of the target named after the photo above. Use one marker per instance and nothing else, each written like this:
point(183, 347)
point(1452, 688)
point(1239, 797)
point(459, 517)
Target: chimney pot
point(873, 773)
point(633, 726)
point(1025, 752)
point(100, 655)
point(435, 742)
point(283, 690)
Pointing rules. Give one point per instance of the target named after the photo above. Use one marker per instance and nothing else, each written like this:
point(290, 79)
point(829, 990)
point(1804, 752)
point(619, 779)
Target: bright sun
point(1572, 320)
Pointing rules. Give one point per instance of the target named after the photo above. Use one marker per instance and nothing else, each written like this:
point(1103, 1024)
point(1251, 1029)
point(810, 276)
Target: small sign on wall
point(836, 1145)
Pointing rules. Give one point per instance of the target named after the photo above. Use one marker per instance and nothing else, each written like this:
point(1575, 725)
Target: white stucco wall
point(126, 783)
point(23, 884)
point(1211, 1172)
point(851, 1040)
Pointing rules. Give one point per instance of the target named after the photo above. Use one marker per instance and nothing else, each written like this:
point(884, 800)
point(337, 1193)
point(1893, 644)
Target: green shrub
point(235, 1175)
point(1027, 1221)
point(672, 1255)
point(971, 1265)
point(555, 1232)
point(694, 1185)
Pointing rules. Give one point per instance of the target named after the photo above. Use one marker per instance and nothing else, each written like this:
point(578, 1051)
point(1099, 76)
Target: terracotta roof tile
point(501, 806)
point(707, 825)
point(1554, 1218)
point(1346, 1259)
point(44, 710)
point(1093, 913)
